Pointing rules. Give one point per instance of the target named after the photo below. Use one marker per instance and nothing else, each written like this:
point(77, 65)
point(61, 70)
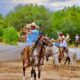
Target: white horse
point(71, 55)
point(48, 52)
point(55, 53)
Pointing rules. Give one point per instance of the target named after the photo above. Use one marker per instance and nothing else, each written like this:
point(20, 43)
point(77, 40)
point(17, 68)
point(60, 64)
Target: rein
point(35, 45)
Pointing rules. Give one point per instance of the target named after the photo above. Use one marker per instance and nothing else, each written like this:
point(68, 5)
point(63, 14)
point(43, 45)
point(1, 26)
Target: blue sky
point(7, 5)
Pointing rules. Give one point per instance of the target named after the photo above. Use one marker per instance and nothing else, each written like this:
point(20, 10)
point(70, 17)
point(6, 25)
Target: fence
point(8, 53)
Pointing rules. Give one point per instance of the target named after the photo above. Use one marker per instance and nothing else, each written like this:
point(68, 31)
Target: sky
point(8, 5)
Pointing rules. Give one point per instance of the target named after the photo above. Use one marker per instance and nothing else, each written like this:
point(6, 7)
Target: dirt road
point(12, 70)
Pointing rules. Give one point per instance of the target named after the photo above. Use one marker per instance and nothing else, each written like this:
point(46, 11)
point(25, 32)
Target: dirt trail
point(12, 70)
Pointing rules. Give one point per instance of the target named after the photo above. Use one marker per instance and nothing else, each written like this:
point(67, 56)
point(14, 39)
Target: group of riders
point(38, 45)
point(32, 35)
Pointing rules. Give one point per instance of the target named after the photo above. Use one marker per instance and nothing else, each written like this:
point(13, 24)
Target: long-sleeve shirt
point(32, 37)
point(63, 44)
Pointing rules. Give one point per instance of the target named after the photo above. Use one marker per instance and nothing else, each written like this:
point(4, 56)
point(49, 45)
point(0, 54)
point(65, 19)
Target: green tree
point(27, 14)
point(66, 20)
point(10, 36)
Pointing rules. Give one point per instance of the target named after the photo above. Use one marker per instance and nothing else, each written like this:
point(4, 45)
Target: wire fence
point(15, 48)
point(8, 52)
point(14, 52)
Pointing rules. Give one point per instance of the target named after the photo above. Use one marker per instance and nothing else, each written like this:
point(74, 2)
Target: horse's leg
point(39, 72)
point(71, 63)
point(60, 52)
point(47, 57)
point(34, 74)
point(68, 60)
point(32, 71)
point(54, 67)
point(23, 71)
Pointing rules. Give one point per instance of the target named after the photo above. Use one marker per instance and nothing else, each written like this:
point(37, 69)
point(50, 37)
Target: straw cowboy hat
point(32, 25)
point(63, 37)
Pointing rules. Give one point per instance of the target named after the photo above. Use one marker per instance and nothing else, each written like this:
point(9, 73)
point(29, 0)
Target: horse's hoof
point(23, 77)
point(31, 79)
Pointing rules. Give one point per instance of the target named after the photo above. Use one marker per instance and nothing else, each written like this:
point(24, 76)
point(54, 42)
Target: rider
point(63, 43)
point(33, 34)
point(63, 47)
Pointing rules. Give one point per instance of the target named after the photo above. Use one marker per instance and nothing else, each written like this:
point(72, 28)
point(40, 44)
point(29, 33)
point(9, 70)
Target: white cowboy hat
point(63, 37)
point(32, 24)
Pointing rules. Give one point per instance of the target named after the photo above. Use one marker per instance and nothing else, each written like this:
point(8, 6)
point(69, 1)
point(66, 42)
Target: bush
point(10, 36)
point(1, 33)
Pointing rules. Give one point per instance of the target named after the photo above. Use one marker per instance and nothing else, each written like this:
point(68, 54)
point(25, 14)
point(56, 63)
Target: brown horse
point(34, 56)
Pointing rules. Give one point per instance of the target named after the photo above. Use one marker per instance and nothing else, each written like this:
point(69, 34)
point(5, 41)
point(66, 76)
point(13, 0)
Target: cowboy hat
point(32, 25)
point(63, 37)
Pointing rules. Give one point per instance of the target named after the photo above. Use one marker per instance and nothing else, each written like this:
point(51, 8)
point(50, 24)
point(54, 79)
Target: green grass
point(73, 45)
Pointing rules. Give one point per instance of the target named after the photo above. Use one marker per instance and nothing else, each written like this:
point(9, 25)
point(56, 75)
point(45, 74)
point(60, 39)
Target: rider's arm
point(58, 40)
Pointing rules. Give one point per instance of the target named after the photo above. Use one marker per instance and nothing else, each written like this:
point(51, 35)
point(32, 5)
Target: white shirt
point(63, 44)
point(76, 37)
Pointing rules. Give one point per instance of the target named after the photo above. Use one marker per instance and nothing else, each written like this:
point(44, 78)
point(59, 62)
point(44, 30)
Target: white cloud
point(60, 5)
point(66, 3)
point(30, 1)
point(7, 5)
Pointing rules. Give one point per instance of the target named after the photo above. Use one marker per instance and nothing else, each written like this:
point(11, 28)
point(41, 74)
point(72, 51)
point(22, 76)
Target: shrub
point(1, 33)
point(10, 36)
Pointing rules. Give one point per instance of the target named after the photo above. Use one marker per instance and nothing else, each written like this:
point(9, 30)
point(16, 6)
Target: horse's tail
point(26, 56)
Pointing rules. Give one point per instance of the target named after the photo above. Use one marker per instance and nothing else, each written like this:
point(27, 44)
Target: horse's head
point(46, 42)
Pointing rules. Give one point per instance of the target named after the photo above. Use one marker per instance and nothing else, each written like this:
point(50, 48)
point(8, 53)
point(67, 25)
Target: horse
point(48, 52)
point(70, 57)
point(33, 56)
point(54, 52)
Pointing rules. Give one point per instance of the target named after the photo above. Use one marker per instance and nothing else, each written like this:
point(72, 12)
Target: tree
point(27, 14)
point(10, 36)
point(66, 20)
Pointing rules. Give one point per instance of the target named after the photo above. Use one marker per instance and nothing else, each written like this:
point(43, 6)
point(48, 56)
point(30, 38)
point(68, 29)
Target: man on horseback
point(33, 34)
point(32, 53)
point(62, 47)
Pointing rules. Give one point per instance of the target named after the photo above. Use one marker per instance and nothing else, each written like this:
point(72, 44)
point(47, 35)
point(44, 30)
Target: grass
point(73, 46)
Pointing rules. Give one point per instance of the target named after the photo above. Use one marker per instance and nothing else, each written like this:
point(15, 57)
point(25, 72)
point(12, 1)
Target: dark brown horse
point(34, 55)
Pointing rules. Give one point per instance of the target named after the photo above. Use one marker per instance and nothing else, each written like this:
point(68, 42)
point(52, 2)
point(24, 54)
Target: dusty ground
point(12, 70)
